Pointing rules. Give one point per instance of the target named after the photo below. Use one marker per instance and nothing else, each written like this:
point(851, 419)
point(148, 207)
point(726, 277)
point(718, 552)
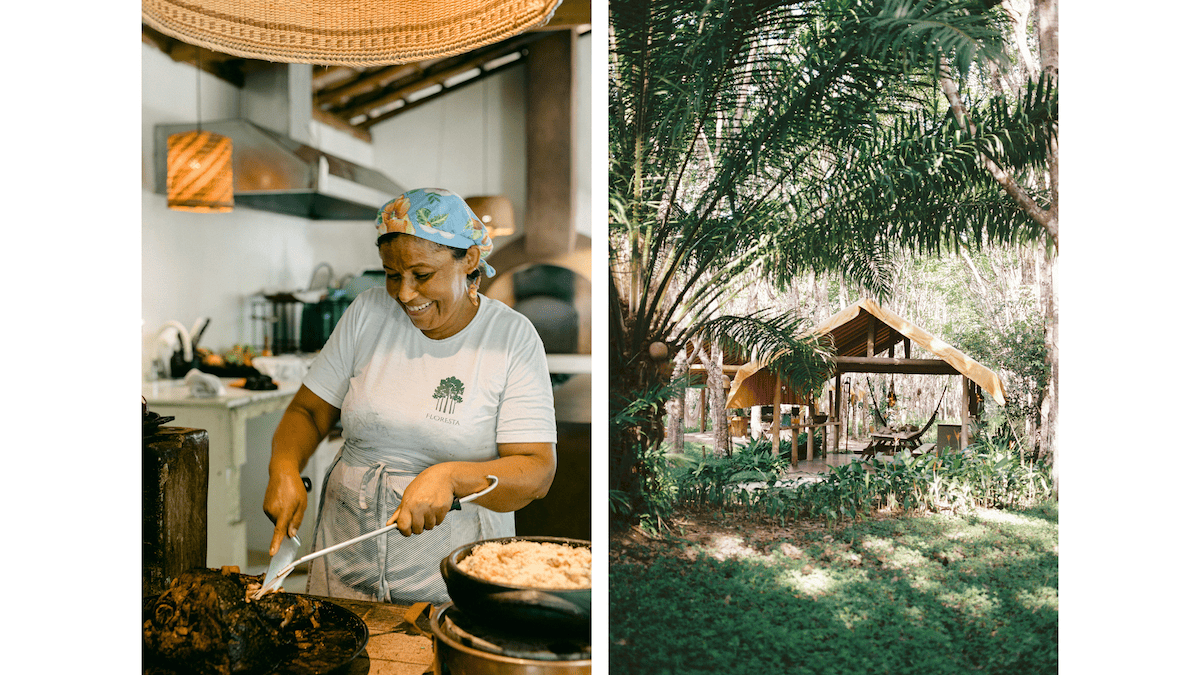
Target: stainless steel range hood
point(277, 161)
point(272, 172)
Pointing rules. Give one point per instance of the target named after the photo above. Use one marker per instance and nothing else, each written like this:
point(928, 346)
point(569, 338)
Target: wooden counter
point(390, 650)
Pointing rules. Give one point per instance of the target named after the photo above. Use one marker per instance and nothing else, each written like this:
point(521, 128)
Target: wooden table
point(390, 650)
point(795, 426)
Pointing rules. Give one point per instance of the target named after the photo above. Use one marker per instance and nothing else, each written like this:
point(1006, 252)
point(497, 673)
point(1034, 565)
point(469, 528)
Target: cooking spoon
point(283, 562)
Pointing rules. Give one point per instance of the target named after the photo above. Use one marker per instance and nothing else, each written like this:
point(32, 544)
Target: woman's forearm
point(305, 423)
point(525, 471)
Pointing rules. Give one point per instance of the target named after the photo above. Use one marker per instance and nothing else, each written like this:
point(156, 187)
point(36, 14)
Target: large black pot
point(501, 604)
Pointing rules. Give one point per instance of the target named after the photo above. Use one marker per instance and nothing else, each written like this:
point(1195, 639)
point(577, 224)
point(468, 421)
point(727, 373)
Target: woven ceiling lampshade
point(496, 212)
point(345, 32)
point(200, 172)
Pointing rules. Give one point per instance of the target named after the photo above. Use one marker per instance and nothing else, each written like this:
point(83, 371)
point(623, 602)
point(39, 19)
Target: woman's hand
point(284, 504)
point(307, 419)
point(425, 501)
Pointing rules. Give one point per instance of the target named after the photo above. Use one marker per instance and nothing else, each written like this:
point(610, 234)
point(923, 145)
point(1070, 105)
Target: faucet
point(312, 282)
point(184, 337)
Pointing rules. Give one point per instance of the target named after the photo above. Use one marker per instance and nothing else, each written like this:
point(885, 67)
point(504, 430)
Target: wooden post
point(809, 452)
point(174, 505)
point(965, 413)
point(870, 336)
point(795, 427)
point(549, 127)
point(835, 415)
point(776, 416)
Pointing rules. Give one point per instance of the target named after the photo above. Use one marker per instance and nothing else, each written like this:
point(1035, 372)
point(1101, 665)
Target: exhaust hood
point(272, 172)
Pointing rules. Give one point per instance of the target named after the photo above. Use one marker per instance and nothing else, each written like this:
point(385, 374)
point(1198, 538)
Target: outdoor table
point(795, 426)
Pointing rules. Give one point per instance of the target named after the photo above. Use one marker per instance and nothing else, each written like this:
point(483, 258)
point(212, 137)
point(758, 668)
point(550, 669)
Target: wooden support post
point(795, 427)
point(907, 348)
point(549, 127)
point(965, 413)
point(776, 416)
point(809, 452)
point(870, 336)
point(835, 415)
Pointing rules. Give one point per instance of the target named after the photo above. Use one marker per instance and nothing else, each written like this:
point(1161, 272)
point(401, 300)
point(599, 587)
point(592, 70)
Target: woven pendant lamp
point(200, 172)
point(496, 212)
point(345, 32)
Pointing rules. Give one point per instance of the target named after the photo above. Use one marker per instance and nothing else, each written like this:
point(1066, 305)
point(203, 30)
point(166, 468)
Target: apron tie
point(374, 481)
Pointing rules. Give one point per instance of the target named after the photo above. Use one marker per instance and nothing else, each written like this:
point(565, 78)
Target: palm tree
point(766, 139)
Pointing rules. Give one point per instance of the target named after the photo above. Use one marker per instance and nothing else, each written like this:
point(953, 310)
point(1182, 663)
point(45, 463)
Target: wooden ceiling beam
point(369, 83)
point(340, 124)
point(224, 66)
point(370, 122)
point(878, 364)
point(436, 75)
point(325, 77)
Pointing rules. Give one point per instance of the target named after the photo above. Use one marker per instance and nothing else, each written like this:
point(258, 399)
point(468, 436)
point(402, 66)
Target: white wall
point(440, 143)
point(207, 265)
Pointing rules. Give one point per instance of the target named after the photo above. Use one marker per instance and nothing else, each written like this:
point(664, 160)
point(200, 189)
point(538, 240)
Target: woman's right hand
point(307, 419)
point(284, 504)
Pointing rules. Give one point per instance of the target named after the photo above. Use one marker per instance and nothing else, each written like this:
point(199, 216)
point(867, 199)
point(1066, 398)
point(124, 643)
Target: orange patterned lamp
point(200, 172)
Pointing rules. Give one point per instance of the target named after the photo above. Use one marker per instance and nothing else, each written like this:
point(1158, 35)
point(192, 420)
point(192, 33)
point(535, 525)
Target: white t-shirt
point(426, 401)
point(408, 402)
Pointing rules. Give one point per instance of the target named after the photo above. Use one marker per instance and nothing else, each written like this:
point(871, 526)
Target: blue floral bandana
point(439, 216)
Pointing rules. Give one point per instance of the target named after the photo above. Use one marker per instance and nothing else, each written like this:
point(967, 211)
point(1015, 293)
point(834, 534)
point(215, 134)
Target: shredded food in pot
point(531, 563)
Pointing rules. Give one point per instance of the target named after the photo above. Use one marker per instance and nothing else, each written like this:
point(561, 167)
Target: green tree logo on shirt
point(449, 391)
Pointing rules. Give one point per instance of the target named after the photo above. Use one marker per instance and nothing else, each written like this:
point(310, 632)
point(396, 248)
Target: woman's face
point(429, 283)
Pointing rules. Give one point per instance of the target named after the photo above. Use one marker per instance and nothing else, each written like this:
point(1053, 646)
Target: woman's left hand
point(425, 502)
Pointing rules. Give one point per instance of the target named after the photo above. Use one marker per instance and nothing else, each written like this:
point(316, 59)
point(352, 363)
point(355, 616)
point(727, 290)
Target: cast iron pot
point(502, 604)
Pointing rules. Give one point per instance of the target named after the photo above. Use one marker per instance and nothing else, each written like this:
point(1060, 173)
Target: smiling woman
point(436, 387)
point(431, 282)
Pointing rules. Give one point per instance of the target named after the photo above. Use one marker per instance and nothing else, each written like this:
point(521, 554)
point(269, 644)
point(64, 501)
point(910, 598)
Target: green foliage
point(942, 594)
point(1017, 350)
point(992, 473)
point(640, 488)
point(711, 479)
point(765, 139)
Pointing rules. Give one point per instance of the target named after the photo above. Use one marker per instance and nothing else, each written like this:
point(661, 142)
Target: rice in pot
point(531, 564)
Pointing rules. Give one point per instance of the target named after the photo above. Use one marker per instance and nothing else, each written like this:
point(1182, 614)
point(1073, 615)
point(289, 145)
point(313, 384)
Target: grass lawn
point(928, 594)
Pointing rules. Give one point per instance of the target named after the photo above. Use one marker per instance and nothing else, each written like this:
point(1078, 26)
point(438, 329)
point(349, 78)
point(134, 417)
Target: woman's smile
point(429, 283)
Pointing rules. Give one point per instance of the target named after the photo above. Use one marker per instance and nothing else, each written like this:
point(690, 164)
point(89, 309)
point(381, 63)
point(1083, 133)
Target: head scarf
point(439, 216)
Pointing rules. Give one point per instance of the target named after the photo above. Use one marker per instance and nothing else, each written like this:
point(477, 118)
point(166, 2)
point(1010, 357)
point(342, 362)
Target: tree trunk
point(1049, 402)
point(1047, 16)
point(716, 394)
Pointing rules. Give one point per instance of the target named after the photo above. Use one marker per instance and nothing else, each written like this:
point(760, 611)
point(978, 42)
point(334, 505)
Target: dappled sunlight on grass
point(941, 594)
point(973, 601)
point(995, 516)
point(1039, 598)
point(814, 582)
point(724, 547)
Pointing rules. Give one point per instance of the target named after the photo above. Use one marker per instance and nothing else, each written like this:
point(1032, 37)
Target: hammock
point(902, 438)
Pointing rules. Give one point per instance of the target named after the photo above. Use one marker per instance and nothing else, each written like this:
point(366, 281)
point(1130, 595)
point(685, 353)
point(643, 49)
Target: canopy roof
point(860, 334)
